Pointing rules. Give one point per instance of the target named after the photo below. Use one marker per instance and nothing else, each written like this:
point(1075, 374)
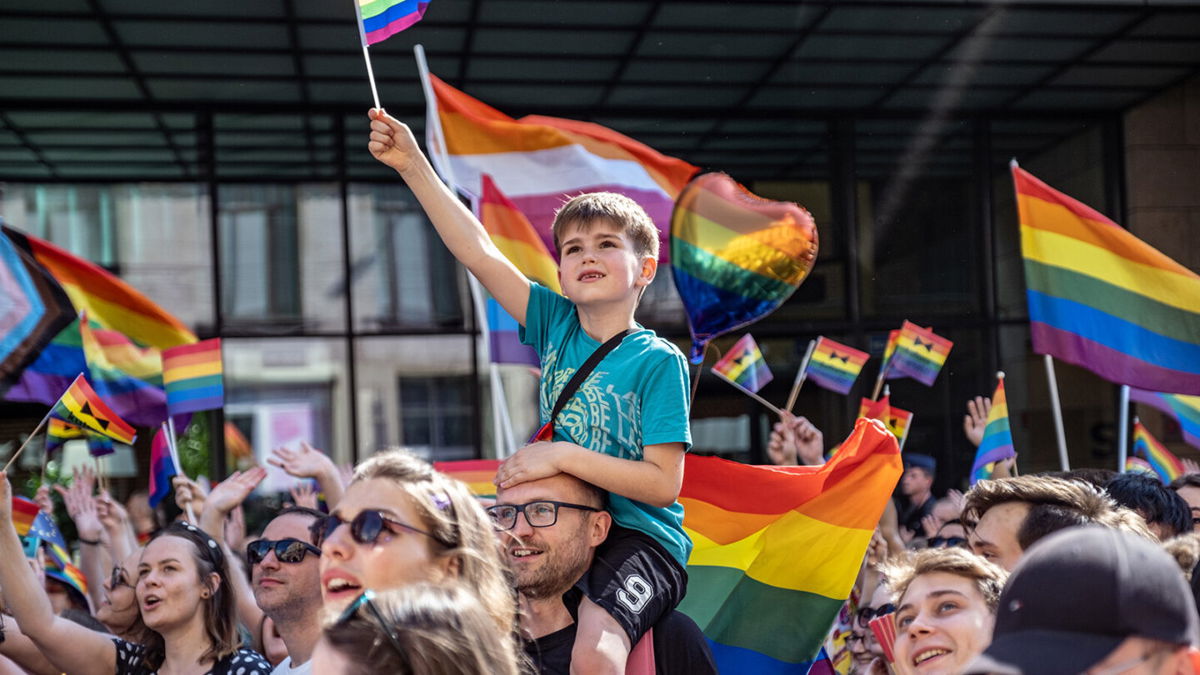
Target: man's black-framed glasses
point(367, 599)
point(289, 550)
point(542, 513)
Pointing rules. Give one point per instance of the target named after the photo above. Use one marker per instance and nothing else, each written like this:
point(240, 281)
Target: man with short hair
point(1188, 487)
point(550, 529)
point(917, 487)
point(1165, 512)
point(1093, 600)
point(1006, 516)
point(286, 580)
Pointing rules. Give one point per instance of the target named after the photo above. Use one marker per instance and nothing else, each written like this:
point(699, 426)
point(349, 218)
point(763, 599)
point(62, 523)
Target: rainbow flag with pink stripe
point(379, 20)
point(540, 162)
point(1165, 464)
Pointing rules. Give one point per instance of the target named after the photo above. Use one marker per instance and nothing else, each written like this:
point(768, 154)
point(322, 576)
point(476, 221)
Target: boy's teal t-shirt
point(636, 396)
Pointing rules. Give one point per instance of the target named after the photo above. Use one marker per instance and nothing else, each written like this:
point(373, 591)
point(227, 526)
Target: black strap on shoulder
point(585, 370)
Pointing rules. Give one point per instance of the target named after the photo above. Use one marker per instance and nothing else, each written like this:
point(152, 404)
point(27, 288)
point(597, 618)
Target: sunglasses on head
point(367, 600)
point(866, 614)
point(365, 528)
point(288, 550)
point(947, 542)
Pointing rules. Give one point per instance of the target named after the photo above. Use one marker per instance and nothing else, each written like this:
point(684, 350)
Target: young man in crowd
point(551, 530)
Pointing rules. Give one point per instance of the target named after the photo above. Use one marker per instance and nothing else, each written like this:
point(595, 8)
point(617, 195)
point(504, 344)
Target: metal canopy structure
point(146, 90)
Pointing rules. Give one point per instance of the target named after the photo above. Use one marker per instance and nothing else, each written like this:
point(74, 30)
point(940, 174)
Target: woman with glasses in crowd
point(182, 596)
point(945, 602)
point(400, 523)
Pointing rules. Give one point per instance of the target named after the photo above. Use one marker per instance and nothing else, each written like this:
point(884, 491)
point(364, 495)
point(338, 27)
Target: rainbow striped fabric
point(1185, 410)
point(777, 549)
point(79, 405)
point(898, 421)
point(920, 353)
point(540, 162)
point(58, 566)
point(58, 432)
point(193, 377)
point(997, 443)
point(1139, 465)
point(1103, 299)
point(1165, 464)
point(835, 366)
point(744, 365)
point(735, 257)
point(24, 513)
point(514, 235)
point(162, 468)
point(127, 377)
point(378, 20)
point(477, 474)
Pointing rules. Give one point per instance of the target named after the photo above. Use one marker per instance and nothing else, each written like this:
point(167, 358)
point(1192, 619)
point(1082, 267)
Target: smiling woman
point(180, 590)
point(946, 606)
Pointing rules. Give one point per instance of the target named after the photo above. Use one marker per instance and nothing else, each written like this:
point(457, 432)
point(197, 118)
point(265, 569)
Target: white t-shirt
point(285, 668)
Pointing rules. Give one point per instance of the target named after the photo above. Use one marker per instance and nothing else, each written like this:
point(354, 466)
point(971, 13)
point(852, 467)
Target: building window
point(436, 416)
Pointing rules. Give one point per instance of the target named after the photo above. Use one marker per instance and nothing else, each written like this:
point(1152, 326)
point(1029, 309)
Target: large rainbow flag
point(1165, 464)
point(835, 366)
point(1103, 299)
point(777, 549)
point(476, 473)
point(128, 377)
point(1185, 410)
point(540, 162)
point(514, 235)
point(997, 443)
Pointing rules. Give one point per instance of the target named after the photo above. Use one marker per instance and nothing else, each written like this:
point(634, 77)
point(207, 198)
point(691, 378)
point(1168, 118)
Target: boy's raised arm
point(393, 144)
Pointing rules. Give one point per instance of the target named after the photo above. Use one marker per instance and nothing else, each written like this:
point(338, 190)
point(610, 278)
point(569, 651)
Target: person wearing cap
point(946, 602)
point(917, 487)
point(1093, 600)
point(1005, 517)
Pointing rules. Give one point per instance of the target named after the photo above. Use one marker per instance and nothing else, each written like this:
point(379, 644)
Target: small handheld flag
point(378, 20)
point(898, 421)
point(920, 353)
point(81, 406)
point(162, 467)
point(745, 368)
point(1165, 464)
point(192, 375)
point(835, 366)
point(1185, 409)
point(59, 432)
point(997, 443)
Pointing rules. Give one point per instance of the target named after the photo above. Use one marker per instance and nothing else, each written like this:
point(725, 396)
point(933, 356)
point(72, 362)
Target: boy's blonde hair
point(585, 209)
point(988, 577)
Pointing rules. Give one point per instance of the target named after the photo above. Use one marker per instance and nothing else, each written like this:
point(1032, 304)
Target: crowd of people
point(579, 561)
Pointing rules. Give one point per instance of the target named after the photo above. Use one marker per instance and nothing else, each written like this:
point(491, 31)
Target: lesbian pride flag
point(835, 366)
point(1103, 299)
point(1165, 464)
point(540, 162)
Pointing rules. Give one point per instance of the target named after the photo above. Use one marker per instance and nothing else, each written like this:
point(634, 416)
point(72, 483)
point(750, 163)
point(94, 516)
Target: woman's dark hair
point(219, 624)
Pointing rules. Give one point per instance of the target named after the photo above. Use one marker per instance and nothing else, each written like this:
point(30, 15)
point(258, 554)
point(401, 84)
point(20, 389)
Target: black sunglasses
point(288, 550)
point(365, 528)
point(867, 613)
point(946, 542)
point(118, 578)
point(366, 599)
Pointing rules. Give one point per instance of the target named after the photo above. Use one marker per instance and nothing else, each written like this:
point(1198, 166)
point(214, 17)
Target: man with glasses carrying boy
point(550, 530)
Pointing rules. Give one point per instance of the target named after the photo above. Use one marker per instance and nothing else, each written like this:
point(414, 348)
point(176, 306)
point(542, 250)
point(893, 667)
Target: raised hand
point(782, 449)
point(42, 499)
point(231, 492)
point(307, 462)
point(392, 142)
point(304, 494)
point(81, 507)
point(930, 525)
point(810, 443)
point(1190, 466)
point(188, 491)
point(975, 421)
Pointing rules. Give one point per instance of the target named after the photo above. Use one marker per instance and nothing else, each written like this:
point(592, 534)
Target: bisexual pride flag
point(162, 468)
point(835, 366)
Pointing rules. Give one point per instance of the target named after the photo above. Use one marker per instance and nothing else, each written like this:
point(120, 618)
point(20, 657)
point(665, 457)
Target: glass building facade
point(347, 324)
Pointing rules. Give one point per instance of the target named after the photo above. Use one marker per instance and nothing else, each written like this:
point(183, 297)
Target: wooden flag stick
point(800, 376)
point(27, 439)
point(879, 379)
point(749, 393)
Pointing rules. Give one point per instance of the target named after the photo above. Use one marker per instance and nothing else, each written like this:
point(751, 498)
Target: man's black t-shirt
point(679, 648)
point(910, 516)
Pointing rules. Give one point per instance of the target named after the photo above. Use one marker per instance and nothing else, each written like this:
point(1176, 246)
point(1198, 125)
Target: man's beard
point(559, 571)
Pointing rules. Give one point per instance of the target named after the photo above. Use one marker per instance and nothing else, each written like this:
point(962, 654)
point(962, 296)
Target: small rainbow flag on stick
point(79, 405)
point(835, 366)
point(1185, 410)
point(997, 443)
point(1165, 464)
point(192, 375)
point(59, 432)
point(378, 20)
point(920, 353)
point(898, 421)
point(745, 368)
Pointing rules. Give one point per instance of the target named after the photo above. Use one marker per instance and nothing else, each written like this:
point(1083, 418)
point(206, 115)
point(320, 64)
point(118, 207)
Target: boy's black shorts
point(633, 578)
